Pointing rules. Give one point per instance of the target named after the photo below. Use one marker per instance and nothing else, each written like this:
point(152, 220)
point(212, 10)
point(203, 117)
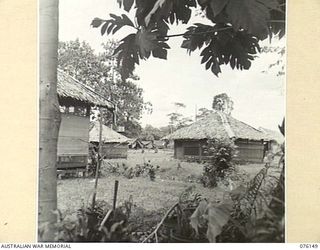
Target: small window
point(191, 150)
point(62, 109)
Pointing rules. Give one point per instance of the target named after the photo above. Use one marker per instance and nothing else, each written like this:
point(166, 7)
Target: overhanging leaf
point(112, 25)
point(250, 15)
point(127, 52)
point(218, 5)
point(156, 6)
point(127, 4)
point(147, 41)
point(96, 22)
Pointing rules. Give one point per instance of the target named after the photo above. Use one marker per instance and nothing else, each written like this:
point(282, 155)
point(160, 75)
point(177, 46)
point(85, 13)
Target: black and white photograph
point(162, 121)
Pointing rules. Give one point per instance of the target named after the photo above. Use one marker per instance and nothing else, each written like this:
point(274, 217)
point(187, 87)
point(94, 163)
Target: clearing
point(150, 198)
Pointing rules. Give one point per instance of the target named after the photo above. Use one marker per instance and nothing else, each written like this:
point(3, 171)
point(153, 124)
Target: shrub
point(146, 169)
point(97, 224)
point(220, 160)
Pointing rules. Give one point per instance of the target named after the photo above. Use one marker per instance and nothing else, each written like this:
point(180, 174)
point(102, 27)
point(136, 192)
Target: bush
point(146, 169)
point(97, 224)
point(220, 154)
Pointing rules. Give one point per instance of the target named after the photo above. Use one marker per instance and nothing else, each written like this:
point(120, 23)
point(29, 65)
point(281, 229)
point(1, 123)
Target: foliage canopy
point(231, 37)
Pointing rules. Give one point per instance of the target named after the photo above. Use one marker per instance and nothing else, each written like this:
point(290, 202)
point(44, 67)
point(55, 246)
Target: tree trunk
point(49, 115)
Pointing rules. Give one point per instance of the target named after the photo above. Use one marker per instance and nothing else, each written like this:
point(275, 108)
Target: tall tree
point(222, 102)
point(203, 112)
point(49, 114)
point(176, 119)
point(101, 73)
point(232, 37)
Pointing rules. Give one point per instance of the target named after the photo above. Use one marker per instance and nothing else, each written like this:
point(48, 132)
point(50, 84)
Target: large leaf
point(181, 10)
point(127, 4)
point(197, 219)
point(225, 46)
point(156, 6)
point(96, 22)
point(279, 14)
point(196, 36)
point(218, 216)
point(218, 5)
point(250, 15)
point(170, 11)
point(112, 25)
point(127, 53)
point(139, 45)
point(143, 8)
point(147, 41)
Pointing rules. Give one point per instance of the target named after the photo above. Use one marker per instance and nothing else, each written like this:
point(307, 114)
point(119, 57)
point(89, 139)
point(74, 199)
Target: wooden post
point(88, 110)
point(116, 184)
point(98, 163)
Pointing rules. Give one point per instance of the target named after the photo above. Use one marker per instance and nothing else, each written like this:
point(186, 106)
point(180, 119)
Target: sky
point(259, 98)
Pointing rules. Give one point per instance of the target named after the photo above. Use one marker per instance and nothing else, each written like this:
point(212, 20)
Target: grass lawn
point(152, 196)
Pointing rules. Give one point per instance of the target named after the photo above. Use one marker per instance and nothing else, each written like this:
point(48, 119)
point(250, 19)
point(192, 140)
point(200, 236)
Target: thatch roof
point(217, 125)
point(108, 135)
point(69, 88)
point(273, 135)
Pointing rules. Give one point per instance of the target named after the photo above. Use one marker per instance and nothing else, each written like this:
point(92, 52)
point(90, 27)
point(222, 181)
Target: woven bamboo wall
point(250, 151)
point(114, 150)
point(73, 135)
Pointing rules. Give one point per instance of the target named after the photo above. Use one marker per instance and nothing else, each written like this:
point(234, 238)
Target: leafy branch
point(112, 25)
point(233, 39)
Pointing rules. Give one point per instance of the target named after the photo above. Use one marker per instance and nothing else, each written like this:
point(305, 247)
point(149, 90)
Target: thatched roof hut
point(114, 145)
point(189, 141)
point(71, 92)
point(217, 125)
point(75, 99)
point(108, 134)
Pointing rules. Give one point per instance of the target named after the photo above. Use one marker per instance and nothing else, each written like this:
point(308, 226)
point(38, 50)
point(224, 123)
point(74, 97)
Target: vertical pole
point(49, 115)
point(99, 161)
point(116, 184)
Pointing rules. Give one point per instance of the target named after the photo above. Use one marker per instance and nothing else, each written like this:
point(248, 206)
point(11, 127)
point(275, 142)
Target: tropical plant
point(220, 154)
point(98, 224)
point(176, 221)
point(234, 219)
point(222, 102)
point(232, 36)
point(146, 169)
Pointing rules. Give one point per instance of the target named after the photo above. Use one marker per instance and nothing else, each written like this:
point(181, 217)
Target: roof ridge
point(226, 125)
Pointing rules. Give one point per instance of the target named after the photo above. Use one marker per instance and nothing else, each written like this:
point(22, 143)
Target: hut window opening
point(78, 111)
point(191, 151)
